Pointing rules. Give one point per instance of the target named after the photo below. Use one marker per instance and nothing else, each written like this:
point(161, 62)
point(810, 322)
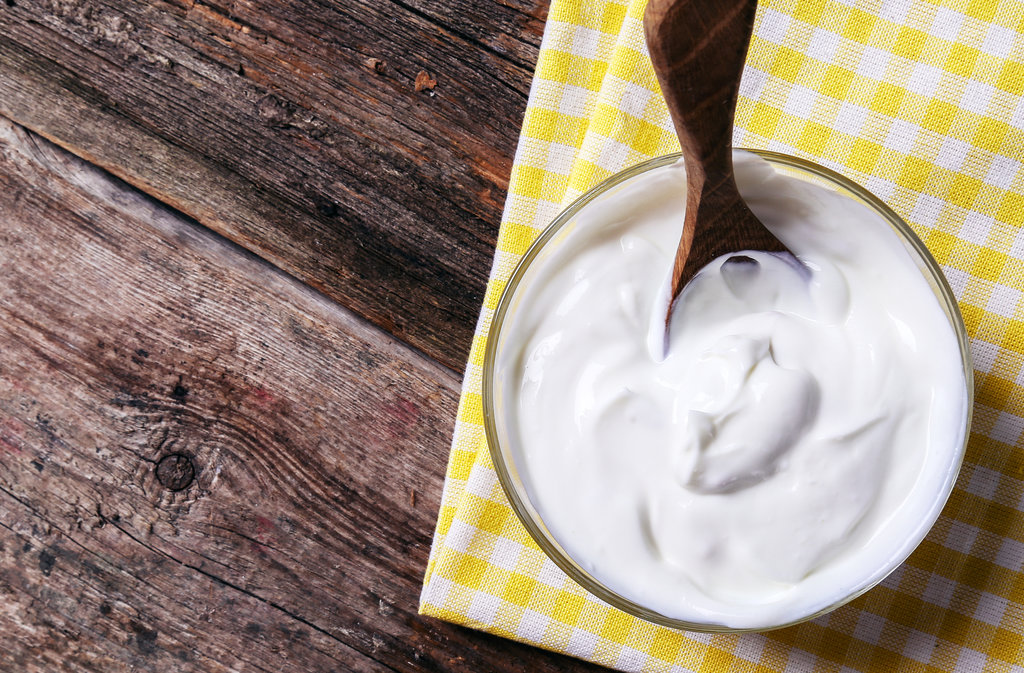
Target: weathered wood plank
point(296, 129)
point(511, 28)
point(204, 464)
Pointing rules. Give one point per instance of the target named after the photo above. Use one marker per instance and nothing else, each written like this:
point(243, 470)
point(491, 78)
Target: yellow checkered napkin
point(918, 100)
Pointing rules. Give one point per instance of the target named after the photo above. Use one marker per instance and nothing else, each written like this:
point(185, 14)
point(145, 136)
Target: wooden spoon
point(698, 48)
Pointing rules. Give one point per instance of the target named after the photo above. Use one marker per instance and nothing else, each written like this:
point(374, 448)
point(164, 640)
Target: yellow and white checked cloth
point(919, 101)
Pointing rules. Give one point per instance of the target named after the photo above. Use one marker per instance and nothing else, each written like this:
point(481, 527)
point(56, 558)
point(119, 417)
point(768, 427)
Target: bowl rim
point(505, 468)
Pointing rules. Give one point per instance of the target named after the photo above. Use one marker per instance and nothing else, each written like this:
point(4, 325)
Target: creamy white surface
point(795, 443)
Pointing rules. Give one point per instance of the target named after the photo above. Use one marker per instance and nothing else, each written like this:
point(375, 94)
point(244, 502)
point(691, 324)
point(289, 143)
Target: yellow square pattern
point(919, 101)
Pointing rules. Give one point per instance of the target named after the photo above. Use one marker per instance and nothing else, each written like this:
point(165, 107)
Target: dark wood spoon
point(698, 48)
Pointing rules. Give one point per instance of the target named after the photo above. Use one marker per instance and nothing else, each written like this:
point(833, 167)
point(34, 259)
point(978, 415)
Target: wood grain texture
point(297, 130)
point(698, 49)
point(204, 464)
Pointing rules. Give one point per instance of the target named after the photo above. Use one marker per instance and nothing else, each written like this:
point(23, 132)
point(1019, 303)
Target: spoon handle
point(698, 48)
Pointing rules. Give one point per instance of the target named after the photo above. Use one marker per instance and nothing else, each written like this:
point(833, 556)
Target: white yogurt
point(796, 442)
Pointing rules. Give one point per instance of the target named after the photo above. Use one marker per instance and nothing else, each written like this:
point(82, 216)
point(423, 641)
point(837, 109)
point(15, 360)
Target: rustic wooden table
point(243, 244)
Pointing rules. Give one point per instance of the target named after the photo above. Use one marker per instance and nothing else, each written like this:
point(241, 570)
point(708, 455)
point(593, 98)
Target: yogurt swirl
point(796, 440)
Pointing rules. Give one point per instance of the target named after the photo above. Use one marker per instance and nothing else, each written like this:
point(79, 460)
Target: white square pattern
point(630, 659)
point(532, 625)
point(823, 45)
point(1017, 248)
point(983, 483)
point(939, 591)
point(1004, 301)
point(869, 627)
point(970, 660)
point(1001, 172)
point(586, 42)
point(484, 607)
point(873, 62)
point(990, 609)
point(1008, 429)
point(977, 96)
point(895, 10)
point(924, 79)
point(634, 99)
point(983, 353)
point(613, 156)
point(946, 24)
point(952, 154)
point(800, 102)
point(902, 135)
point(999, 41)
point(582, 643)
point(459, 536)
point(551, 575)
point(773, 26)
point(750, 647)
point(576, 101)
point(506, 553)
point(919, 646)
point(850, 119)
point(961, 537)
point(926, 210)
point(559, 163)
point(976, 227)
point(1011, 555)
point(752, 82)
point(481, 482)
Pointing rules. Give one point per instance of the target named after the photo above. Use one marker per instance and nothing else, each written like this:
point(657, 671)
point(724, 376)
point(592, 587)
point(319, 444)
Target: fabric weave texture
point(920, 101)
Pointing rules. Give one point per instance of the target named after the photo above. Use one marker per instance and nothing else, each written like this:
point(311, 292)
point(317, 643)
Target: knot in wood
point(175, 471)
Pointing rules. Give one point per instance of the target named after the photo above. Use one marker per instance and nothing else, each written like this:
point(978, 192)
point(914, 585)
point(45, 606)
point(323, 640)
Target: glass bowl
point(498, 436)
